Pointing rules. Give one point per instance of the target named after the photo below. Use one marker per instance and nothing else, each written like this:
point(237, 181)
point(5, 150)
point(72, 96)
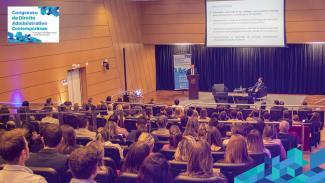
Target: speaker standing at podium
point(191, 71)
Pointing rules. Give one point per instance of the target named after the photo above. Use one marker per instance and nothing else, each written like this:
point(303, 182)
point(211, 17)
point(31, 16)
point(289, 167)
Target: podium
point(193, 86)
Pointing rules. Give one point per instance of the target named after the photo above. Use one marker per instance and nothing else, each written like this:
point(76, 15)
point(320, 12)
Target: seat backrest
point(109, 162)
point(177, 167)
point(100, 122)
point(218, 155)
point(274, 149)
point(49, 174)
point(231, 170)
point(127, 178)
point(258, 158)
point(162, 138)
point(187, 179)
point(159, 145)
point(130, 124)
point(169, 154)
point(83, 140)
point(114, 153)
point(104, 176)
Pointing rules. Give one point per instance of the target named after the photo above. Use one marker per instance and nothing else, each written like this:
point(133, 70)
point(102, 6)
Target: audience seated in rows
point(284, 134)
point(162, 130)
point(137, 153)
point(83, 130)
point(174, 138)
point(14, 150)
point(155, 169)
point(255, 143)
point(68, 142)
point(49, 155)
point(269, 137)
point(200, 163)
point(83, 164)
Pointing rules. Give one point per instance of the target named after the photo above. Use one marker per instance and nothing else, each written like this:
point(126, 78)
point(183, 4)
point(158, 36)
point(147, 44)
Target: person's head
point(236, 150)
point(109, 99)
point(267, 116)
point(201, 162)
point(147, 138)
point(169, 111)
point(263, 105)
point(223, 116)
point(155, 169)
point(189, 112)
point(233, 114)
point(90, 100)
point(284, 126)
point(214, 137)
point(162, 121)
point(83, 122)
point(192, 127)
point(281, 102)
point(256, 113)
point(178, 112)
point(83, 163)
point(176, 102)
point(175, 136)
point(68, 141)
point(255, 142)
point(240, 116)
point(98, 148)
point(137, 153)
point(295, 118)
point(52, 135)
point(110, 130)
point(203, 113)
point(268, 132)
point(260, 79)
point(213, 122)
point(304, 103)
point(203, 130)
point(14, 147)
point(276, 102)
point(184, 148)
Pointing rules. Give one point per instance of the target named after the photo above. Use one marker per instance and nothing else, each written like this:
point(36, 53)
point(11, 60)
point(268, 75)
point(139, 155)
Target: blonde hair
point(255, 142)
point(201, 162)
point(184, 148)
point(147, 138)
point(98, 148)
point(236, 150)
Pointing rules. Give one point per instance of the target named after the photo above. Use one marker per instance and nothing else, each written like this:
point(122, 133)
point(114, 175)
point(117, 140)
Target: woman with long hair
point(192, 127)
point(200, 164)
point(155, 169)
point(184, 148)
point(269, 138)
point(236, 150)
point(214, 139)
point(68, 142)
point(135, 156)
point(255, 143)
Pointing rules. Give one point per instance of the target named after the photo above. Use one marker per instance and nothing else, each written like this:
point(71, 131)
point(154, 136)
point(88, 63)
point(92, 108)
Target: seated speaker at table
point(258, 90)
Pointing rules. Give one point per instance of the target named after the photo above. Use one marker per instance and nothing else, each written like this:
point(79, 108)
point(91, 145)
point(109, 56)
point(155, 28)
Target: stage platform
point(168, 97)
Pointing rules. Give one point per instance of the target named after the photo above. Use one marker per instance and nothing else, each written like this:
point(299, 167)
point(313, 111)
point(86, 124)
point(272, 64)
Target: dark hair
point(109, 99)
point(304, 103)
point(214, 137)
point(213, 122)
point(68, 142)
point(189, 112)
point(169, 111)
point(11, 145)
point(175, 136)
point(155, 169)
point(52, 135)
point(255, 113)
point(134, 158)
point(266, 115)
point(176, 102)
point(233, 114)
point(276, 102)
point(203, 113)
point(83, 162)
point(223, 116)
point(82, 121)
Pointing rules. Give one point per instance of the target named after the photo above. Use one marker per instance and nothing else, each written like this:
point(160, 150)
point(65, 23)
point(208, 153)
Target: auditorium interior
point(112, 80)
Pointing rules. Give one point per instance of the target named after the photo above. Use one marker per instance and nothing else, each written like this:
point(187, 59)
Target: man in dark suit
point(191, 71)
point(49, 156)
point(257, 86)
point(284, 134)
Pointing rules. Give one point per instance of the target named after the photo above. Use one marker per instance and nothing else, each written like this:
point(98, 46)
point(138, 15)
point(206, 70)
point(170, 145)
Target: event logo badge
point(287, 171)
point(33, 24)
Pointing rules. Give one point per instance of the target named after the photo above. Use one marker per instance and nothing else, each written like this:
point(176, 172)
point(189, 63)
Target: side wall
point(90, 31)
point(183, 21)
